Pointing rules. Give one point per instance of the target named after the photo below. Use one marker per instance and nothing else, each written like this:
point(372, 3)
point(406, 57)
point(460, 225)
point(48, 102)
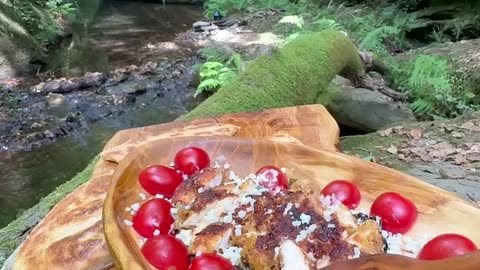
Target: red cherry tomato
point(191, 160)
point(210, 261)
point(159, 179)
point(272, 178)
point(344, 191)
point(166, 252)
point(398, 213)
point(445, 246)
point(153, 215)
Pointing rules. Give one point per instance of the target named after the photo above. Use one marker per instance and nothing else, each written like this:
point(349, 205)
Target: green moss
point(370, 145)
point(296, 74)
point(13, 234)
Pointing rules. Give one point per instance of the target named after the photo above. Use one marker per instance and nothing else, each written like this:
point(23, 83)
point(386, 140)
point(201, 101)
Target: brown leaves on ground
point(417, 145)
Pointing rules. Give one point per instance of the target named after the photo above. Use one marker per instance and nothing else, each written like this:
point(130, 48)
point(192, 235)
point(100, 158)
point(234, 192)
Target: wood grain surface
point(311, 125)
point(439, 211)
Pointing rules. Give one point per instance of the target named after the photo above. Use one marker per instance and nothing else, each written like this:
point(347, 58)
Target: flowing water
point(118, 36)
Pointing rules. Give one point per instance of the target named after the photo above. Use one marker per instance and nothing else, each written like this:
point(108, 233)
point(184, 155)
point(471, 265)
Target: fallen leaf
point(470, 126)
point(421, 153)
point(457, 134)
point(441, 150)
point(460, 159)
point(398, 129)
point(474, 157)
point(392, 149)
point(416, 133)
point(386, 132)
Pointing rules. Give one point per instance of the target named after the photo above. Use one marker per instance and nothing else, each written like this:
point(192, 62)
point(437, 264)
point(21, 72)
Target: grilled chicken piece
point(292, 257)
point(188, 190)
point(367, 237)
point(214, 237)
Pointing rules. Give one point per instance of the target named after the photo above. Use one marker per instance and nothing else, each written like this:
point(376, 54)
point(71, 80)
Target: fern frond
point(293, 19)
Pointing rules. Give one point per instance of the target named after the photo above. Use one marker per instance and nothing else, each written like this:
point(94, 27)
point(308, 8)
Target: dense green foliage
point(38, 20)
point(296, 74)
point(434, 86)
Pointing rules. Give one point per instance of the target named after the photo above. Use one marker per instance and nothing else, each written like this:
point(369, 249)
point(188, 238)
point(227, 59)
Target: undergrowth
point(434, 87)
point(219, 68)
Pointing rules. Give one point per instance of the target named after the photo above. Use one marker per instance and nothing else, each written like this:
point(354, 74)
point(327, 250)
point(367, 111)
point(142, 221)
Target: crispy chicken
point(258, 229)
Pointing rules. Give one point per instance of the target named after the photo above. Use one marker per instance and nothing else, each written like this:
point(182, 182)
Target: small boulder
point(367, 110)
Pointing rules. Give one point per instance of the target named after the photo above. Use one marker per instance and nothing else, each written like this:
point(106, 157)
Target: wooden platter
point(311, 124)
point(439, 211)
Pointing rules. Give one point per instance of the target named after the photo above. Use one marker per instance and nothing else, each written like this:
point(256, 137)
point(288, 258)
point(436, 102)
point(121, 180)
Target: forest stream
point(119, 36)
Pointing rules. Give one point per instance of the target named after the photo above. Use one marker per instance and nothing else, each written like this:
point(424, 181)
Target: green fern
point(325, 24)
point(293, 19)
point(373, 41)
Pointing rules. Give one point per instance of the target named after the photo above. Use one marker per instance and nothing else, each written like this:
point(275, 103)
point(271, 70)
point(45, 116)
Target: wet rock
point(201, 24)
point(55, 100)
point(367, 110)
point(65, 86)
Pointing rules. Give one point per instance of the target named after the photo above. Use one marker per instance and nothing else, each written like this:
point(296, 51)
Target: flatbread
point(117, 153)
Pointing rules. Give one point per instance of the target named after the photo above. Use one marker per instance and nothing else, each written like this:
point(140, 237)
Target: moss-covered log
point(296, 74)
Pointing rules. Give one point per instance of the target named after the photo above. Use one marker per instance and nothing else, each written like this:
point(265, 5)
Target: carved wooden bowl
point(439, 211)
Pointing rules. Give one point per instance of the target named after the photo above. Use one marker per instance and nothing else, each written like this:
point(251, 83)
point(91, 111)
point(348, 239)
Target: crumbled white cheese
point(284, 170)
point(238, 230)
point(287, 208)
point(200, 190)
point(304, 233)
point(331, 225)
point(156, 232)
point(297, 205)
point(184, 177)
point(155, 223)
point(135, 206)
point(305, 218)
point(173, 211)
point(185, 236)
point(296, 223)
point(277, 251)
point(356, 252)
point(172, 164)
point(269, 211)
point(242, 214)
point(233, 254)
point(128, 222)
point(226, 166)
point(158, 196)
point(132, 213)
point(128, 209)
point(228, 218)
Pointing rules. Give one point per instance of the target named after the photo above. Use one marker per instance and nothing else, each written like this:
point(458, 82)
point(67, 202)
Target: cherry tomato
point(398, 213)
point(272, 178)
point(210, 261)
point(159, 179)
point(344, 191)
point(153, 215)
point(445, 246)
point(191, 160)
point(166, 252)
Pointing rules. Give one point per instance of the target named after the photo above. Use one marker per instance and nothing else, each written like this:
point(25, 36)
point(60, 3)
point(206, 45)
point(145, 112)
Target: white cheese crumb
point(135, 206)
point(283, 170)
point(287, 208)
point(132, 213)
point(200, 190)
point(185, 236)
point(277, 251)
point(216, 165)
point(305, 218)
point(297, 205)
point(226, 166)
point(184, 177)
point(296, 223)
point(155, 223)
point(238, 230)
point(128, 209)
point(128, 222)
point(228, 218)
point(156, 232)
point(356, 252)
point(173, 211)
point(158, 196)
point(242, 214)
point(331, 225)
point(172, 164)
point(233, 254)
point(269, 211)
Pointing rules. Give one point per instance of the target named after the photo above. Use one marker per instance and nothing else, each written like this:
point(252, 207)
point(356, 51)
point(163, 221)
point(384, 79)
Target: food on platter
point(214, 219)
